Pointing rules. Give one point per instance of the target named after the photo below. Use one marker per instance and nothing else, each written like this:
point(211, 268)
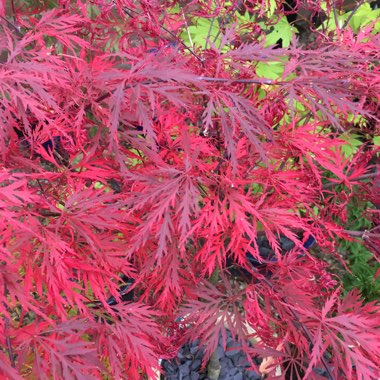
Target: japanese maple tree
point(146, 147)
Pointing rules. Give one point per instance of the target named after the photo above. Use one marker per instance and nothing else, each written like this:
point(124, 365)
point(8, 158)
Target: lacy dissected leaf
point(59, 350)
point(329, 85)
point(130, 336)
point(6, 369)
point(211, 311)
point(61, 26)
point(351, 330)
point(165, 284)
point(236, 111)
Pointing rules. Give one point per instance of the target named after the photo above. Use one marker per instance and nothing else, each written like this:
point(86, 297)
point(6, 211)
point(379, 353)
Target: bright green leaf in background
point(196, 35)
point(282, 29)
point(353, 143)
point(270, 70)
point(364, 16)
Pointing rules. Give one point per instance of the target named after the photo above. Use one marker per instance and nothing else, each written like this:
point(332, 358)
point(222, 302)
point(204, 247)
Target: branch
point(352, 13)
point(47, 213)
point(213, 368)
point(201, 60)
point(360, 178)
point(108, 94)
point(335, 15)
point(14, 29)
point(237, 80)
point(9, 344)
point(129, 13)
point(7, 338)
point(205, 79)
point(209, 32)
point(365, 235)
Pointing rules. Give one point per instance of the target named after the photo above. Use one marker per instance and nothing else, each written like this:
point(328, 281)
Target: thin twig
point(187, 29)
point(335, 15)
point(360, 178)
point(9, 343)
point(130, 12)
point(98, 100)
point(7, 338)
point(13, 10)
point(209, 32)
point(365, 235)
point(365, 176)
point(237, 80)
point(213, 368)
point(183, 44)
point(352, 13)
point(225, 20)
point(205, 79)
point(108, 94)
point(310, 339)
point(13, 27)
point(220, 162)
point(48, 213)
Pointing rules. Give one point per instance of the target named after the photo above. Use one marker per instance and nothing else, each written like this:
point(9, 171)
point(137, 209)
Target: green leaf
point(330, 24)
point(244, 18)
point(364, 16)
point(282, 29)
point(196, 35)
point(272, 6)
point(352, 145)
point(270, 70)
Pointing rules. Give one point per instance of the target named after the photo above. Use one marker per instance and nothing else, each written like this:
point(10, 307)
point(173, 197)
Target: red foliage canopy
point(126, 153)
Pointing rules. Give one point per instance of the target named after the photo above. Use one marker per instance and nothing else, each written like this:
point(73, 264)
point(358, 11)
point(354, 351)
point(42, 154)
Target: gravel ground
point(187, 365)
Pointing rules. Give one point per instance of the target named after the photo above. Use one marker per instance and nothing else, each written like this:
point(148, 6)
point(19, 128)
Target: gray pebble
point(266, 253)
point(224, 368)
point(252, 375)
point(231, 352)
point(241, 360)
point(194, 376)
point(287, 244)
point(181, 354)
point(195, 365)
point(220, 352)
point(234, 371)
point(224, 376)
point(185, 368)
point(236, 358)
point(199, 354)
point(169, 367)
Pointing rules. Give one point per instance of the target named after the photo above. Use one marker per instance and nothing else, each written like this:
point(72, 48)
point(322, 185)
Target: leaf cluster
point(137, 164)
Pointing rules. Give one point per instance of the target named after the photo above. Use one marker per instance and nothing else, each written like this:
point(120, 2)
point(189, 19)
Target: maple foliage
point(139, 168)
